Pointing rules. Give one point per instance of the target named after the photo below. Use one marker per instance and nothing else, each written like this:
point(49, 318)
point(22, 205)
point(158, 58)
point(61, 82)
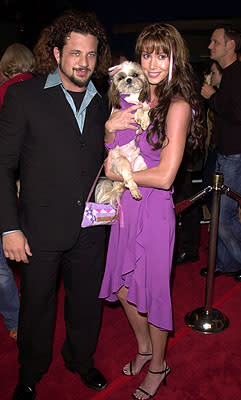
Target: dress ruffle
point(140, 255)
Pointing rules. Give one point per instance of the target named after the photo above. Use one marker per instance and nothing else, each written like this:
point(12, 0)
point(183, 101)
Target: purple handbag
point(96, 213)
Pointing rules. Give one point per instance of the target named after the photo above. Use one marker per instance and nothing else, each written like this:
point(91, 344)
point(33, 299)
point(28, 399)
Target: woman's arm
point(178, 124)
point(162, 176)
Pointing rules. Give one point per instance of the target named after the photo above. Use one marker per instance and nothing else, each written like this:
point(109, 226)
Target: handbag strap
point(94, 183)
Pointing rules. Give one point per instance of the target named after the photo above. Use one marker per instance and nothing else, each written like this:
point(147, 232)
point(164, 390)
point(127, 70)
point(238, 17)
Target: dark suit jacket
point(57, 164)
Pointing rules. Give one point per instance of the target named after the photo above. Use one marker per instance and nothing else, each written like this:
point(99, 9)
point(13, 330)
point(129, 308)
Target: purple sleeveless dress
point(140, 252)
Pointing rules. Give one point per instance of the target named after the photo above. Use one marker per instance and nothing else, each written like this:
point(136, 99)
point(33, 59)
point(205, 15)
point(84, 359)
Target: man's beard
point(81, 83)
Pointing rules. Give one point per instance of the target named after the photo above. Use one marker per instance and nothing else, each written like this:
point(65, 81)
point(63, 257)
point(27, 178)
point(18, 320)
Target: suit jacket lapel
point(58, 102)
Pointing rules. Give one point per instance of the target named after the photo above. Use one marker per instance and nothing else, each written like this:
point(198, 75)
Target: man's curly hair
point(45, 62)
point(84, 23)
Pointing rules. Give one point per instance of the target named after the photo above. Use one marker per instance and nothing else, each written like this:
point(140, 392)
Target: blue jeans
point(229, 231)
point(9, 298)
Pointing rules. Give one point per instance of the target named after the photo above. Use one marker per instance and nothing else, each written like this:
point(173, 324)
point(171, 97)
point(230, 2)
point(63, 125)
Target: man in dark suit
point(51, 131)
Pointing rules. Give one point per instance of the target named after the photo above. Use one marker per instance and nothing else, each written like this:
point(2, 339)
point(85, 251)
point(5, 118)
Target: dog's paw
point(136, 194)
point(142, 118)
point(132, 186)
point(145, 122)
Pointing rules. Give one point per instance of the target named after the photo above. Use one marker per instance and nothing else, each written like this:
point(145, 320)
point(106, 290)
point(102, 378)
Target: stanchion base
point(206, 322)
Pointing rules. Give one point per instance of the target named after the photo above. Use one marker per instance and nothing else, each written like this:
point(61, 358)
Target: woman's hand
point(120, 120)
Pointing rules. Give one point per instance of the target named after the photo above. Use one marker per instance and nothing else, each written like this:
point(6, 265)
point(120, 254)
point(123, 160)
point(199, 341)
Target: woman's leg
point(140, 327)
point(152, 381)
point(150, 339)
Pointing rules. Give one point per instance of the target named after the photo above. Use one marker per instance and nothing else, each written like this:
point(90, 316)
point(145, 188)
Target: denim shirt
point(55, 80)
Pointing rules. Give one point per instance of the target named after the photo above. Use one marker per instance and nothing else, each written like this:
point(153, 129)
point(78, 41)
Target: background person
point(226, 103)
point(188, 232)
point(211, 139)
point(2, 78)
point(17, 64)
point(9, 298)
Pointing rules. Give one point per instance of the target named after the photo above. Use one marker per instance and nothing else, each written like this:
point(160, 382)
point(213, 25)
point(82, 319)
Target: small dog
point(129, 86)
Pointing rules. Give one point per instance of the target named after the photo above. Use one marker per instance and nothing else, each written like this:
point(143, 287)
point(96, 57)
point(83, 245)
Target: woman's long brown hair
point(159, 38)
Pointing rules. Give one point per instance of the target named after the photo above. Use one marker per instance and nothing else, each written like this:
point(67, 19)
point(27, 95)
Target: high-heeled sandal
point(166, 371)
point(131, 364)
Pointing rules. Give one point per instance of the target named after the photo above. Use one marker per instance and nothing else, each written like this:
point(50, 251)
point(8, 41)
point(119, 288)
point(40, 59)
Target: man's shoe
point(24, 392)
point(93, 378)
point(204, 272)
point(237, 276)
point(184, 258)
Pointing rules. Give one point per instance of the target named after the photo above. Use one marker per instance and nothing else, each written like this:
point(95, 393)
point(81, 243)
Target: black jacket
point(39, 135)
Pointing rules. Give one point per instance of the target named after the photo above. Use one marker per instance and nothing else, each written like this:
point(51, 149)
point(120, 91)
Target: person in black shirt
point(226, 103)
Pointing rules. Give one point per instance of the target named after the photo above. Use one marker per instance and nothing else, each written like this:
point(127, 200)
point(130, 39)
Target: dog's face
point(128, 79)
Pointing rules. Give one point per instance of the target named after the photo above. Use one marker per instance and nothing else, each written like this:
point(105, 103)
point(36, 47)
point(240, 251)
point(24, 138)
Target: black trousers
point(82, 269)
point(208, 171)
point(188, 235)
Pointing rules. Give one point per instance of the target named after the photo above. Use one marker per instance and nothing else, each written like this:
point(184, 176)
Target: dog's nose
point(129, 80)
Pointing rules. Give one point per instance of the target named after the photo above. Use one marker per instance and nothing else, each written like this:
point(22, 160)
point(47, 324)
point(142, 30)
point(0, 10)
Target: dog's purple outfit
point(126, 135)
point(140, 253)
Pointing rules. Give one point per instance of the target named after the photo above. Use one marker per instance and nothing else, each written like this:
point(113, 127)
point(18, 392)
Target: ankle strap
point(144, 354)
point(165, 371)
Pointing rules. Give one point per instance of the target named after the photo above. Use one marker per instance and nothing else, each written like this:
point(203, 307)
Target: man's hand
point(16, 247)
point(207, 91)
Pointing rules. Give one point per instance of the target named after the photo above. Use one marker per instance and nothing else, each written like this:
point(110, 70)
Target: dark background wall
point(23, 20)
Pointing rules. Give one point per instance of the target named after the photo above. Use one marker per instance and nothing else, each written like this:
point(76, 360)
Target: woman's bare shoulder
point(178, 98)
point(178, 102)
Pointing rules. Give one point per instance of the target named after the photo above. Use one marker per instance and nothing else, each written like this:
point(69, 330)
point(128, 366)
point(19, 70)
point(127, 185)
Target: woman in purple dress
point(140, 250)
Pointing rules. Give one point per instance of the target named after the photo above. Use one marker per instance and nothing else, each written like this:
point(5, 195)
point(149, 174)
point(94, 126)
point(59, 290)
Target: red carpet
point(204, 367)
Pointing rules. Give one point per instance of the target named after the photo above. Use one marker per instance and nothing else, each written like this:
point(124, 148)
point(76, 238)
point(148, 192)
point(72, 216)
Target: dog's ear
point(145, 92)
point(114, 96)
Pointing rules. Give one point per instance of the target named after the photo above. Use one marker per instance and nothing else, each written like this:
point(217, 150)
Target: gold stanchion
point(207, 319)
